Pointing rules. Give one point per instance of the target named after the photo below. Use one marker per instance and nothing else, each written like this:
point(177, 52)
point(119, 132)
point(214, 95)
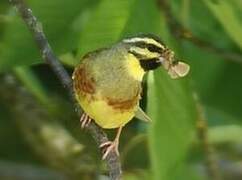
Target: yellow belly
point(105, 115)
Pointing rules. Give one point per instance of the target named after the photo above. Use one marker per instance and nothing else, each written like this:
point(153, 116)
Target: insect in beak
point(176, 69)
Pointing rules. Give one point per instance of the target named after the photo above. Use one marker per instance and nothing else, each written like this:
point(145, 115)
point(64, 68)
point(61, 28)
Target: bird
point(108, 82)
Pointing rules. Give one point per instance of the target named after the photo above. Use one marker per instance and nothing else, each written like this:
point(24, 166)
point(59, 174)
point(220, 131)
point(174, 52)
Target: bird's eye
point(154, 48)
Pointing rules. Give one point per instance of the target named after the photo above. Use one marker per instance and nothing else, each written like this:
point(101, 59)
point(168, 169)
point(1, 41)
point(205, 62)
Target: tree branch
point(112, 160)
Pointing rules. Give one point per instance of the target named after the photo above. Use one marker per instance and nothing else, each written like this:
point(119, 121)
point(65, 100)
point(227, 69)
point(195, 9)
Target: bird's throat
point(134, 68)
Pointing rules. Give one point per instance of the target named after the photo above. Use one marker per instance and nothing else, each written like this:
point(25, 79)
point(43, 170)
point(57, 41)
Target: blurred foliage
point(77, 26)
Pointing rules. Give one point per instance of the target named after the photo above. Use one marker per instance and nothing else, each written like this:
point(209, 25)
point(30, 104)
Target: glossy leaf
point(113, 20)
point(105, 25)
point(226, 15)
point(171, 107)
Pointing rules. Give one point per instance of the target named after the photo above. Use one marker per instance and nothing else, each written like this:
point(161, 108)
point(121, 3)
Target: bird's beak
point(164, 62)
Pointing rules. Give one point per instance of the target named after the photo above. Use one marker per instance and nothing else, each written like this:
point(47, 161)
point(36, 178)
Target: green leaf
point(140, 22)
point(105, 24)
point(216, 81)
point(171, 107)
point(113, 20)
point(56, 17)
point(225, 91)
point(214, 76)
point(224, 11)
point(212, 67)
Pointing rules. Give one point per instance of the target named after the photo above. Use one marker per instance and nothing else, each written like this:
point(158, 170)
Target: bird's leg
point(85, 120)
point(111, 145)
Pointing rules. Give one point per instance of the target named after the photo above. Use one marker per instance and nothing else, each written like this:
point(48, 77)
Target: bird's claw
point(85, 120)
point(109, 147)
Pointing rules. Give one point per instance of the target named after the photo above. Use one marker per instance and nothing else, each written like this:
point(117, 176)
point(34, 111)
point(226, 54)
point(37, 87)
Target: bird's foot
point(109, 146)
point(85, 120)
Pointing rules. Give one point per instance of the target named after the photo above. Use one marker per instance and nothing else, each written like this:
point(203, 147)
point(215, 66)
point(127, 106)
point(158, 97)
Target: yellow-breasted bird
point(107, 82)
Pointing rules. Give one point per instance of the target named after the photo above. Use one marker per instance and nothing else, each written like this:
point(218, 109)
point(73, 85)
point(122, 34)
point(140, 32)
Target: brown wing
point(123, 105)
point(83, 83)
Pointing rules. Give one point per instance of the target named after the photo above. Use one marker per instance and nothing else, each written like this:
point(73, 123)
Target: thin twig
point(50, 58)
point(209, 151)
point(180, 32)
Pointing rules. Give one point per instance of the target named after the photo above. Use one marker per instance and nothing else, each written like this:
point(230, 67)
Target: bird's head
point(152, 53)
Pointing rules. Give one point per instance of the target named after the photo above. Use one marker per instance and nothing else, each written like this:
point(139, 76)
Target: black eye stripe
point(154, 48)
